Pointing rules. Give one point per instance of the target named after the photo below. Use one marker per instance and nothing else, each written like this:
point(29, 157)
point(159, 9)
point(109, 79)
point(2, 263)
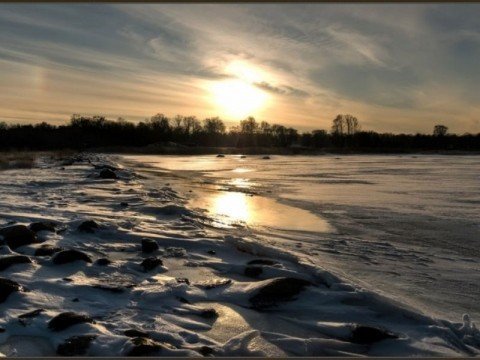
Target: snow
point(197, 245)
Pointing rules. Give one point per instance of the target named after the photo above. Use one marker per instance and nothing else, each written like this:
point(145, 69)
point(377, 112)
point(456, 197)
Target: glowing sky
point(397, 67)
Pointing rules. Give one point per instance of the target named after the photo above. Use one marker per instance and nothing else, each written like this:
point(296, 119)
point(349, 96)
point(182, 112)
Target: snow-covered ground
point(303, 256)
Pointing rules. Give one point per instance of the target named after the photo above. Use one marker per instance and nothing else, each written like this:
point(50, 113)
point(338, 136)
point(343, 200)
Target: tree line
point(84, 132)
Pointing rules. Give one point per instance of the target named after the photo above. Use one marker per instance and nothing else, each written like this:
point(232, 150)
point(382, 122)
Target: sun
point(237, 98)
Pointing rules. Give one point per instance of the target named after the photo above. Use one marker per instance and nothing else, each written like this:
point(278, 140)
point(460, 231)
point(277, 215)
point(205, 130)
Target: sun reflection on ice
point(233, 205)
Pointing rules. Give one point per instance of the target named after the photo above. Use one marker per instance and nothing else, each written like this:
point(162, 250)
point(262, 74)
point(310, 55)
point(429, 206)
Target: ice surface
point(199, 300)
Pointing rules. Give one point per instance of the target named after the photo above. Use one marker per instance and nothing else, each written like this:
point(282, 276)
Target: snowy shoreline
point(200, 291)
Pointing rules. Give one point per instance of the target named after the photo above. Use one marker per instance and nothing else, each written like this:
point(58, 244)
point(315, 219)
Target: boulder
point(151, 263)
point(7, 287)
point(18, 235)
point(43, 226)
point(103, 262)
point(362, 334)
point(253, 271)
point(149, 245)
point(107, 174)
point(7, 261)
point(68, 256)
point(277, 290)
point(135, 333)
point(146, 347)
point(47, 250)
point(88, 226)
point(75, 345)
point(67, 319)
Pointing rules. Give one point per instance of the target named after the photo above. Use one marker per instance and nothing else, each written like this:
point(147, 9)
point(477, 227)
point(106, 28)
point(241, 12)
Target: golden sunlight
point(233, 205)
point(238, 99)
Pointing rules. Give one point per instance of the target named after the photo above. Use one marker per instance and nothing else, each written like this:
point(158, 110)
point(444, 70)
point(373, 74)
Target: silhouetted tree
point(440, 130)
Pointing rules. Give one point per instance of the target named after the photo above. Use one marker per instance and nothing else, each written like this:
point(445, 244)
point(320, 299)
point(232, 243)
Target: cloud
point(281, 90)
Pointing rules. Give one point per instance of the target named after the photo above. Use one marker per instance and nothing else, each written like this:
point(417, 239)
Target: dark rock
point(75, 345)
point(183, 281)
point(47, 250)
point(18, 235)
point(151, 263)
point(220, 156)
point(43, 226)
point(175, 252)
point(205, 350)
point(2, 330)
point(149, 245)
point(146, 347)
point(107, 174)
point(253, 271)
point(362, 334)
point(266, 157)
point(123, 204)
point(68, 256)
point(67, 319)
point(103, 262)
point(208, 313)
point(243, 156)
point(183, 300)
point(23, 318)
point(112, 289)
point(67, 279)
point(212, 284)
point(263, 262)
point(76, 300)
point(135, 333)
point(277, 290)
point(31, 314)
point(211, 252)
point(7, 287)
point(7, 261)
point(88, 226)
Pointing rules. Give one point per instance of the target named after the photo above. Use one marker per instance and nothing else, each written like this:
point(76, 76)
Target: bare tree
point(440, 130)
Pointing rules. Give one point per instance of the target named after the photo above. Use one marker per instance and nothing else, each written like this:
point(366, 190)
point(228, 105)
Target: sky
point(398, 68)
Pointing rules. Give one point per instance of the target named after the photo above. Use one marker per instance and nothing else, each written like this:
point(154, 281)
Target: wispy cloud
point(399, 67)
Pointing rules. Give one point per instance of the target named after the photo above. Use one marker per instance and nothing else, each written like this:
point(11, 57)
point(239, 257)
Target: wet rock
point(75, 345)
point(362, 334)
point(277, 290)
point(146, 347)
point(107, 174)
point(43, 226)
point(18, 235)
point(212, 284)
point(7, 287)
point(266, 262)
point(205, 350)
point(103, 262)
point(253, 271)
point(68, 256)
point(151, 263)
point(135, 333)
point(67, 319)
point(47, 250)
point(88, 226)
point(149, 245)
point(220, 156)
point(7, 261)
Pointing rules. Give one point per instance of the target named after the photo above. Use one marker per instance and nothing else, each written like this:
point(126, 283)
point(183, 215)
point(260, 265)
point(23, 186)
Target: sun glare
point(237, 98)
